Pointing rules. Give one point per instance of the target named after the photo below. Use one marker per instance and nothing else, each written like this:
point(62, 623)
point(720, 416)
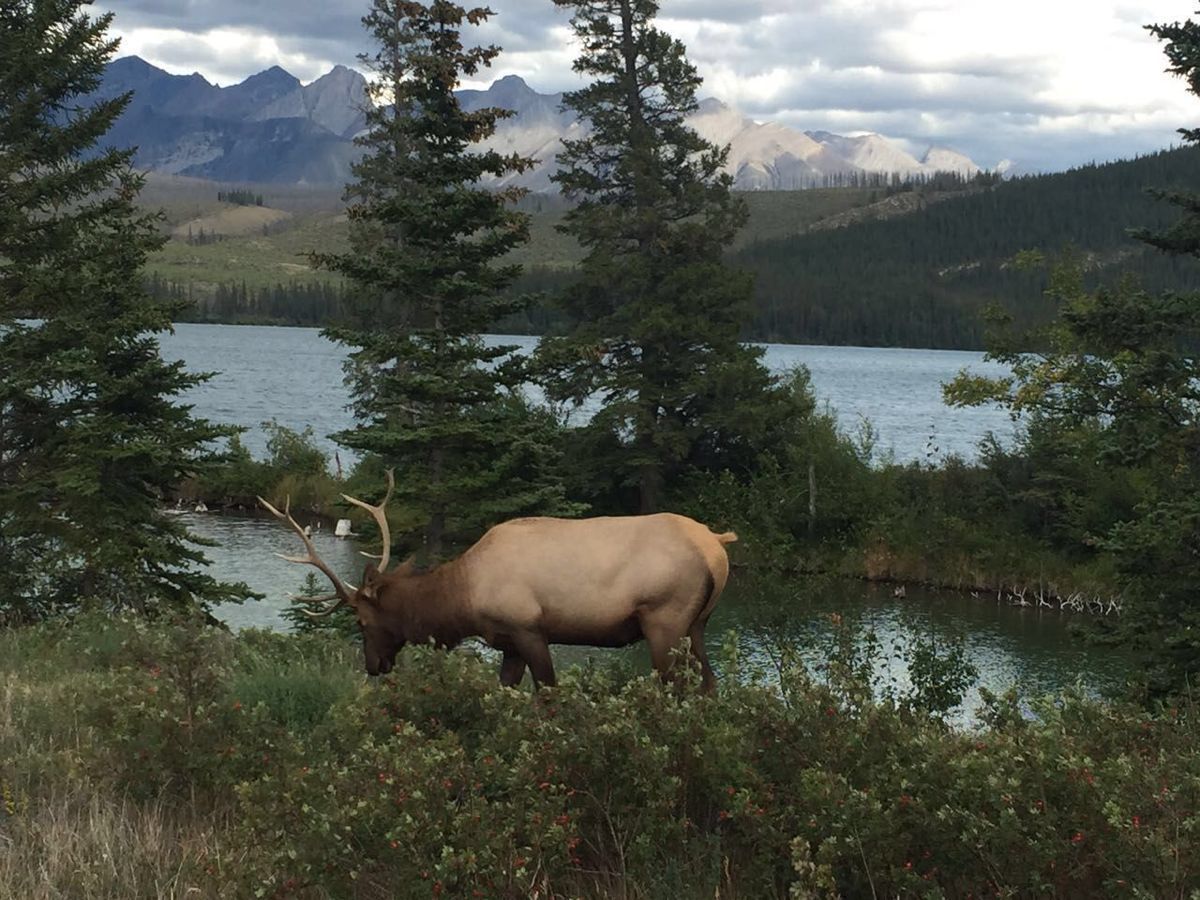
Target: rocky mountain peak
point(943, 159)
point(710, 106)
point(271, 123)
point(337, 101)
point(273, 75)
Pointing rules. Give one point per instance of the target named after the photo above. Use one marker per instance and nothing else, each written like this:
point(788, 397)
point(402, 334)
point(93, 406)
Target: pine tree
point(655, 316)
point(431, 397)
point(92, 433)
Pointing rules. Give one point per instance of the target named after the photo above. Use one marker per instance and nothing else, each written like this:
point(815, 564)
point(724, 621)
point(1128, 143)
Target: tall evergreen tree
point(1116, 383)
point(92, 433)
point(656, 317)
point(431, 397)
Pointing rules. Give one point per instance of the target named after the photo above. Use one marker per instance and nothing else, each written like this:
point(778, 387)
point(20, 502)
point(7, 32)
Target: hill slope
point(298, 222)
point(923, 279)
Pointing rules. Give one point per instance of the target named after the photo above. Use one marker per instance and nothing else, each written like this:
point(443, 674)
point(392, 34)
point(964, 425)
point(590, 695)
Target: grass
point(61, 836)
point(82, 845)
point(299, 688)
point(278, 255)
point(259, 260)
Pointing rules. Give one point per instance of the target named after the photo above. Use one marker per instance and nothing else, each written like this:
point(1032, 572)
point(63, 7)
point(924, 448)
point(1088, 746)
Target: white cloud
point(223, 56)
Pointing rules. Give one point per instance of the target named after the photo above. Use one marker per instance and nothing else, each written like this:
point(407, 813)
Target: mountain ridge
point(271, 127)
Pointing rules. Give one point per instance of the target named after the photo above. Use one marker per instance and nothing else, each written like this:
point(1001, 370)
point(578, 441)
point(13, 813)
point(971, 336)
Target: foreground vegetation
point(168, 759)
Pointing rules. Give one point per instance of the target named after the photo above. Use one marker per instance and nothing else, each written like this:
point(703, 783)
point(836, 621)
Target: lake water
point(295, 376)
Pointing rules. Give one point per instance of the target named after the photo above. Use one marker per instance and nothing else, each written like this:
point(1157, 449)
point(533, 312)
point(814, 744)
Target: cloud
point(1049, 84)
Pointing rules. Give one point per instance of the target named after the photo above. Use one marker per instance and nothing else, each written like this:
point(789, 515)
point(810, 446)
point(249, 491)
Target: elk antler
point(343, 592)
point(380, 518)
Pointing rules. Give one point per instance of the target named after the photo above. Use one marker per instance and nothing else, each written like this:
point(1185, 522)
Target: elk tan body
point(529, 583)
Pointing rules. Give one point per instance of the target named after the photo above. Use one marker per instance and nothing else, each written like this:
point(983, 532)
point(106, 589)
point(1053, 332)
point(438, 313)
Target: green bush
point(297, 679)
point(295, 468)
point(436, 781)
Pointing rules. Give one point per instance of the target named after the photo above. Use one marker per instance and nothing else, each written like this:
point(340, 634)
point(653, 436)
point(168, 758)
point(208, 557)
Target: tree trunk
point(650, 488)
point(436, 529)
point(633, 97)
point(812, 498)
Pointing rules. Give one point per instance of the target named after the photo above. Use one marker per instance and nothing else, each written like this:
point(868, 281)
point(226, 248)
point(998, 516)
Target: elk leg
point(662, 641)
point(709, 680)
point(512, 669)
point(536, 652)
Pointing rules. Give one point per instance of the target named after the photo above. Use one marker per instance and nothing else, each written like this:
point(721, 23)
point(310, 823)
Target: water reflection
point(246, 549)
point(1030, 649)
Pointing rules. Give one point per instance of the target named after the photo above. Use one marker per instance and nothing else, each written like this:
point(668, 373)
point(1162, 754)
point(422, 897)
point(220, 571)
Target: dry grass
point(62, 836)
point(80, 845)
point(233, 221)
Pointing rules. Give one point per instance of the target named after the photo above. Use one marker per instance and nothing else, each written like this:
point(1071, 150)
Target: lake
point(295, 376)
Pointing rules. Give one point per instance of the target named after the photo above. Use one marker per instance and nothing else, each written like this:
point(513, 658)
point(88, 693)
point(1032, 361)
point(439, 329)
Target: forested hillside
point(914, 268)
point(922, 280)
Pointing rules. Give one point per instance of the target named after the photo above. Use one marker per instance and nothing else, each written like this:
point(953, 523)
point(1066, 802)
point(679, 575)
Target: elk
point(532, 582)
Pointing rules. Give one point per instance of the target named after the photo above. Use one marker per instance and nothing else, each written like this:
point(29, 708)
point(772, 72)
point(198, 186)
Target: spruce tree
point(92, 432)
point(655, 315)
point(428, 279)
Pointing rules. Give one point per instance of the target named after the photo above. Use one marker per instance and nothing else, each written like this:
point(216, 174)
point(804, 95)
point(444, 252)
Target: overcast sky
point(1045, 83)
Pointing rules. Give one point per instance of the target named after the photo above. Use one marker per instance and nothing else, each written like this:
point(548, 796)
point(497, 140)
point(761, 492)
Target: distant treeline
point(319, 303)
point(896, 182)
point(240, 198)
point(305, 303)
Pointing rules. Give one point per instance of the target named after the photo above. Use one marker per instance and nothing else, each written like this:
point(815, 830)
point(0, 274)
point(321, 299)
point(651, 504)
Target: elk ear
point(370, 580)
point(408, 567)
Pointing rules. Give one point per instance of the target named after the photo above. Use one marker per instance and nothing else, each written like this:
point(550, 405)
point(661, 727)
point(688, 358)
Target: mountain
point(336, 102)
point(766, 156)
point(273, 128)
point(535, 130)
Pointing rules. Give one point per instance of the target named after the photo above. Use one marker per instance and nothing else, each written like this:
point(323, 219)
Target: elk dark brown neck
point(424, 606)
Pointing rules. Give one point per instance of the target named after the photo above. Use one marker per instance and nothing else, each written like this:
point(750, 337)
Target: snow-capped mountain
point(272, 128)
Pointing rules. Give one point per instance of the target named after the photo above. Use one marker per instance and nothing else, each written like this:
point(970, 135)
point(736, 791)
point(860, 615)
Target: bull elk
point(529, 583)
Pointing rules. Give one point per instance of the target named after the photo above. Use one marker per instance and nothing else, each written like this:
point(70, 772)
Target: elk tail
point(728, 537)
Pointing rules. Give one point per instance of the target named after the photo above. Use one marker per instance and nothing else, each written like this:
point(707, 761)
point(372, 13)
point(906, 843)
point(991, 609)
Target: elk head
point(380, 642)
